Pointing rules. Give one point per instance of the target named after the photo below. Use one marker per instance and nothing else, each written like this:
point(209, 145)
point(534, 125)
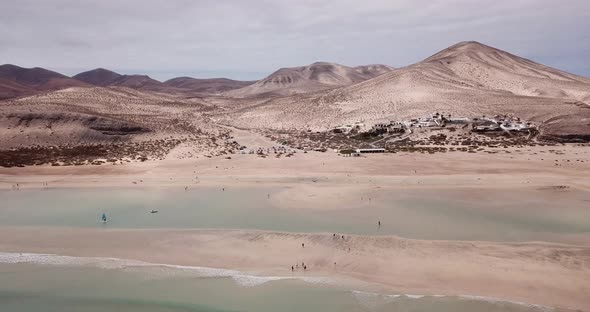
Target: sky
point(249, 39)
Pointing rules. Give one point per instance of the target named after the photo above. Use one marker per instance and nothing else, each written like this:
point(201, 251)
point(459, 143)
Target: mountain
point(206, 86)
point(18, 81)
point(32, 77)
point(98, 77)
point(311, 78)
point(467, 79)
point(104, 77)
point(493, 69)
point(181, 85)
point(136, 82)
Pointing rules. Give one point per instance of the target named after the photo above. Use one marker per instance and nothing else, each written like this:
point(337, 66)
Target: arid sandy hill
point(468, 79)
point(311, 78)
point(88, 116)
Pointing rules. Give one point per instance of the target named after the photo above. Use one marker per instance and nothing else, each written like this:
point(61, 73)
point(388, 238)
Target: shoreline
point(240, 278)
point(554, 275)
point(548, 274)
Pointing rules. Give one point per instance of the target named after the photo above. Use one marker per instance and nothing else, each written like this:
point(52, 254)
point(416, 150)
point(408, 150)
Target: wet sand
point(540, 273)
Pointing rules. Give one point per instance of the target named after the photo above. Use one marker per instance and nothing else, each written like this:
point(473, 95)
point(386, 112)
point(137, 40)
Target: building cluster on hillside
point(439, 120)
point(391, 127)
point(436, 120)
point(501, 123)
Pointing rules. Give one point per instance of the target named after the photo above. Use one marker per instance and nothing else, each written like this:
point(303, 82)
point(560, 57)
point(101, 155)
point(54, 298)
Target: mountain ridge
point(466, 79)
point(309, 78)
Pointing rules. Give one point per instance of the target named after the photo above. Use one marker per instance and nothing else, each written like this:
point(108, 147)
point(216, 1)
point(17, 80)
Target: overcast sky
point(249, 39)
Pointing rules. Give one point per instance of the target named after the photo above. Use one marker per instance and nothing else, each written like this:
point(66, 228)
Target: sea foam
point(368, 299)
point(371, 299)
point(157, 269)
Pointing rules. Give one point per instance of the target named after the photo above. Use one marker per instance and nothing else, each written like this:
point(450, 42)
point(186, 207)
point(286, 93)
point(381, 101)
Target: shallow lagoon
point(494, 215)
point(414, 213)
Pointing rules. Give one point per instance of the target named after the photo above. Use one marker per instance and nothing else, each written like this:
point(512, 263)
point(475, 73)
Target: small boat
point(154, 211)
point(104, 218)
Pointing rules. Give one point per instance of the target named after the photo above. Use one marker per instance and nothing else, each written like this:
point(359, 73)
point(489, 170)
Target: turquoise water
point(423, 214)
point(501, 215)
point(33, 288)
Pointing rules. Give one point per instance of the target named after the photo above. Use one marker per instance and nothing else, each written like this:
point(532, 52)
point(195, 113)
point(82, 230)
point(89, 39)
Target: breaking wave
point(367, 299)
point(156, 269)
point(372, 300)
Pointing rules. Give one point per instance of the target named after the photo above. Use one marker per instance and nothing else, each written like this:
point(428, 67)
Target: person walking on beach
point(292, 269)
point(303, 245)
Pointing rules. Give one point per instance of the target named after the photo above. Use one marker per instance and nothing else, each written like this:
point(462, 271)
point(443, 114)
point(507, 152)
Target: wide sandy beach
point(549, 274)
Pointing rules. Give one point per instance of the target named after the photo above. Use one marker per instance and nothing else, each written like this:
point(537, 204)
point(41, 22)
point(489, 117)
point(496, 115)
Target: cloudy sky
point(248, 39)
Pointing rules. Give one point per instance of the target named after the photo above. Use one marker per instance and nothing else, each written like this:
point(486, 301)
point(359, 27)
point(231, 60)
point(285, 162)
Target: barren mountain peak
point(309, 78)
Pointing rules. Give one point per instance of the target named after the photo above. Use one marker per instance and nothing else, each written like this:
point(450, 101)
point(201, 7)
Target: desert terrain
point(465, 123)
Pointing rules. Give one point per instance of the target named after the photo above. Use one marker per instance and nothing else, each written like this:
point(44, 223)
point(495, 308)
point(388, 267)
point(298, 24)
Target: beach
point(543, 262)
point(545, 274)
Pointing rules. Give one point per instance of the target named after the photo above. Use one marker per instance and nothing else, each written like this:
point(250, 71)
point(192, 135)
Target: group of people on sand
point(17, 186)
point(334, 236)
point(296, 267)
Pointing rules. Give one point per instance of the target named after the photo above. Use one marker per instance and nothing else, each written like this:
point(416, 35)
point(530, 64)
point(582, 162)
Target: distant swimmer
point(292, 269)
point(379, 223)
point(303, 245)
